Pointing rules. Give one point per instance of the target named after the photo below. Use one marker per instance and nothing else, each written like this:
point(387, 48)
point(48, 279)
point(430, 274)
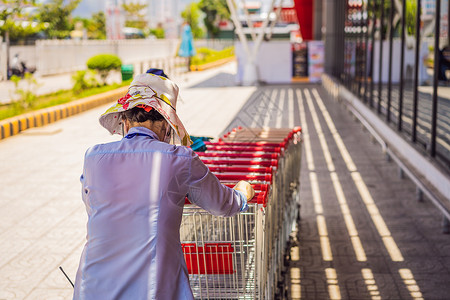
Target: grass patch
point(206, 55)
point(53, 99)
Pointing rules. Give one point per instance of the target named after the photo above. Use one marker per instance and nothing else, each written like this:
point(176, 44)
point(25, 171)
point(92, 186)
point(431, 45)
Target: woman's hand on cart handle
point(246, 188)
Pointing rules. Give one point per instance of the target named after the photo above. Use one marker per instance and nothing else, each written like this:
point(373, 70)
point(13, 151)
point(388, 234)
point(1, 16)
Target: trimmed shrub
point(103, 64)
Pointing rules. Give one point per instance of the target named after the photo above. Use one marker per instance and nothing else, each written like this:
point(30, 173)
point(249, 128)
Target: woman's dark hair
point(139, 115)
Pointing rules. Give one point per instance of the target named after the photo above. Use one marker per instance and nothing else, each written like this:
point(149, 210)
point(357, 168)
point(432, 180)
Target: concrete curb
point(13, 126)
point(212, 64)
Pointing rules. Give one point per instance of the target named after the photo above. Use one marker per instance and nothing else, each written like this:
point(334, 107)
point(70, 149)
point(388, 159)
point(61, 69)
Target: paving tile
point(413, 225)
point(51, 294)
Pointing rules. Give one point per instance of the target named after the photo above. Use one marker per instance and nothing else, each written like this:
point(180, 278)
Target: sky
point(87, 7)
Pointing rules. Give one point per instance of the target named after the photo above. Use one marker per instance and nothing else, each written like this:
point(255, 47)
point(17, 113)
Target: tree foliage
point(96, 29)
point(57, 14)
point(95, 26)
point(16, 22)
point(191, 15)
point(215, 11)
point(135, 15)
point(410, 21)
point(158, 32)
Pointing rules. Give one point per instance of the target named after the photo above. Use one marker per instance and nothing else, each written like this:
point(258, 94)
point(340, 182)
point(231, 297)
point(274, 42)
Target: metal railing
point(394, 66)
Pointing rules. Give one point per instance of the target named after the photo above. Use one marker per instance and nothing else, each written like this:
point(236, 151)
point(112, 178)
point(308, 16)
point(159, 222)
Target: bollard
point(388, 157)
point(419, 194)
point(445, 225)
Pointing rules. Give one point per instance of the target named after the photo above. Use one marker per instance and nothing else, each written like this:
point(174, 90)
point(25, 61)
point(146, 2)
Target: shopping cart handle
point(264, 144)
point(240, 162)
point(239, 155)
point(237, 177)
point(228, 169)
point(259, 198)
point(263, 187)
point(238, 148)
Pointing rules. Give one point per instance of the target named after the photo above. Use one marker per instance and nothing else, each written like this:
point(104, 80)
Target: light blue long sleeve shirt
point(134, 191)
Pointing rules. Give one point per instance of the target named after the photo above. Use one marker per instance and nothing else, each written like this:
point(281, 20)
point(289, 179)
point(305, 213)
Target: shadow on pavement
point(220, 80)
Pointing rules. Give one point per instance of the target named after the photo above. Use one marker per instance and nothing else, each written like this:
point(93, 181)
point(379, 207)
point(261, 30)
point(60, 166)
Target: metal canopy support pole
point(263, 29)
point(250, 72)
point(250, 69)
point(416, 73)
point(272, 25)
point(402, 65)
point(237, 24)
point(437, 31)
point(249, 22)
point(335, 13)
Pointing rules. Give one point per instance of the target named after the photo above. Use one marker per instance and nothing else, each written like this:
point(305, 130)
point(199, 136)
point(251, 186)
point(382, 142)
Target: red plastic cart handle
point(229, 169)
point(266, 177)
point(237, 148)
point(240, 162)
point(243, 144)
point(263, 187)
point(238, 155)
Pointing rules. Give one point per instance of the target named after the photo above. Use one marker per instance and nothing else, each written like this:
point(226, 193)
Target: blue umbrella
point(187, 42)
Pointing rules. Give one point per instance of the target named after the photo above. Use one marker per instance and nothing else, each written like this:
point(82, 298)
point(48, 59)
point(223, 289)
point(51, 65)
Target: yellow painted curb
point(212, 64)
point(14, 125)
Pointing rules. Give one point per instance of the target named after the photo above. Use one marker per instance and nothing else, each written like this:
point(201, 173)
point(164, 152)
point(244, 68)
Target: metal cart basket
point(241, 257)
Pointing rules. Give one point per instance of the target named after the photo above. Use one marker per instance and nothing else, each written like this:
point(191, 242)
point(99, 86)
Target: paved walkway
point(362, 235)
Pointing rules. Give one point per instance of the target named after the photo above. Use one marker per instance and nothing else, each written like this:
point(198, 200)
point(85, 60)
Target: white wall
point(52, 57)
point(58, 56)
point(408, 63)
point(274, 61)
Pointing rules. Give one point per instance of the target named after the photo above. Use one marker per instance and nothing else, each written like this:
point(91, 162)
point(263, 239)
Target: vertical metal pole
point(359, 45)
point(372, 52)
point(416, 72)
point(8, 48)
point(436, 78)
point(345, 36)
point(366, 43)
point(391, 37)
point(380, 62)
point(402, 65)
point(347, 58)
point(347, 42)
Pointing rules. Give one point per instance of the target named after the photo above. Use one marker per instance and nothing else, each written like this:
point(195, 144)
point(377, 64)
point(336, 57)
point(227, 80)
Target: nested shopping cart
point(240, 257)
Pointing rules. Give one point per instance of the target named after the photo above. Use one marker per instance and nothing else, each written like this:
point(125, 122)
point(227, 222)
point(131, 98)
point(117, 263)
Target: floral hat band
point(145, 107)
point(148, 91)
